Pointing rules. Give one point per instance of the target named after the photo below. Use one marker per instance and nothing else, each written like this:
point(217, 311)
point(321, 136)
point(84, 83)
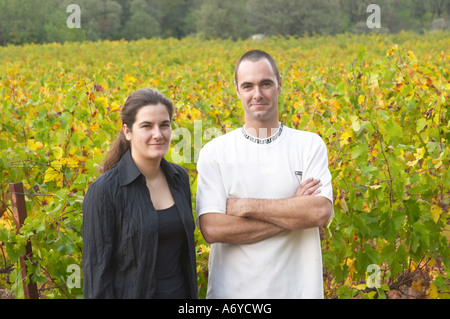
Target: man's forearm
point(224, 228)
point(299, 212)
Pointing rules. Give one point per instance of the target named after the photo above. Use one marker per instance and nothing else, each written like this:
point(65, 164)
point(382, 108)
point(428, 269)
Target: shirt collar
point(129, 172)
point(267, 140)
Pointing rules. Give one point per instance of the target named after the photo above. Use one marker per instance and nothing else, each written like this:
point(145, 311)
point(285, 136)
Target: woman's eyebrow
point(150, 123)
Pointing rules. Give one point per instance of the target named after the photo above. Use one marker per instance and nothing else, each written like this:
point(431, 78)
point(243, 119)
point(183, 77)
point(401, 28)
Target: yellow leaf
point(72, 162)
point(34, 145)
point(436, 212)
point(355, 123)
point(79, 84)
point(336, 105)
point(59, 163)
point(420, 153)
point(345, 138)
point(446, 232)
point(91, 97)
point(361, 99)
point(73, 149)
point(411, 163)
point(432, 291)
point(57, 152)
point(51, 174)
point(412, 56)
point(361, 286)
point(114, 107)
point(392, 50)
point(343, 204)
point(129, 78)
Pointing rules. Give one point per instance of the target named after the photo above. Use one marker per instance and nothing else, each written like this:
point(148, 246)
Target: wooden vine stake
point(20, 213)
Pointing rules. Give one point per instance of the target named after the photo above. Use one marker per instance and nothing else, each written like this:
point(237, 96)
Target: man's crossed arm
point(251, 220)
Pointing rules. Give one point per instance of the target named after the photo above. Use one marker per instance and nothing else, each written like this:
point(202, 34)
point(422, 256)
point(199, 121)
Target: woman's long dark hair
point(133, 104)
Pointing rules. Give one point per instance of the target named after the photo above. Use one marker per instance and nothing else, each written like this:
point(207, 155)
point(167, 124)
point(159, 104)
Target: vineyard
point(380, 102)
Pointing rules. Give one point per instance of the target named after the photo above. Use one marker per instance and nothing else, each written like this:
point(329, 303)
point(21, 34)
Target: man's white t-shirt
point(236, 165)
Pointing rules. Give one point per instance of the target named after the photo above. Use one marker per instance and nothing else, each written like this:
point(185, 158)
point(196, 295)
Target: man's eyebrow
point(245, 84)
point(261, 82)
point(267, 81)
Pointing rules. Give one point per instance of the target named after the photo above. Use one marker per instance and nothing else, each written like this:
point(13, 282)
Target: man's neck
point(262, 130)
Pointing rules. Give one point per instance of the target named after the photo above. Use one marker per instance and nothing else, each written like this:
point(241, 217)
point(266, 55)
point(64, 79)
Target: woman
point(138, 229)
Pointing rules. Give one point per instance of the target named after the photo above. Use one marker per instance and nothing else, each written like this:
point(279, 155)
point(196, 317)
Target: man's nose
point(257, 93)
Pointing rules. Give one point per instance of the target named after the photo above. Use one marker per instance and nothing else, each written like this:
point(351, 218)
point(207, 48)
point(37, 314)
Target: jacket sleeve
point(98, 240)
point(192, 270)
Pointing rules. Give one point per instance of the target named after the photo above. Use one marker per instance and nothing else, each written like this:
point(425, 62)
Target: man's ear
point(280, 84)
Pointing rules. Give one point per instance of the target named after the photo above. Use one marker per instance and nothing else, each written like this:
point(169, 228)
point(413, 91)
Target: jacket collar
point(129, 172)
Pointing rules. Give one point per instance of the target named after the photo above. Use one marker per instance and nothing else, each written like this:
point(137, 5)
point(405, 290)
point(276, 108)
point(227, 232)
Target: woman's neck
point(148, 167)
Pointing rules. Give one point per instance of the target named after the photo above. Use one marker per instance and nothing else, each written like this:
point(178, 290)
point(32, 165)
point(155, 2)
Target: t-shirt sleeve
point(317, 167)
point(211, 194)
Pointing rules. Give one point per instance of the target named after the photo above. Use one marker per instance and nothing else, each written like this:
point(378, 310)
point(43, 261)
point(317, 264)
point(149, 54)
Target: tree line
point(41, 21)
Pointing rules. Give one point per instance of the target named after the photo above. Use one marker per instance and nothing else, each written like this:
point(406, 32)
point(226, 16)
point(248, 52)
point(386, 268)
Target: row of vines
point(379, 102)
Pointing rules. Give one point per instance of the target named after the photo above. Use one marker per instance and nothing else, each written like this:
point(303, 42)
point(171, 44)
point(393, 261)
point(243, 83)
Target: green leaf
point(358, 150)
point(394, 130)
point(421, 123)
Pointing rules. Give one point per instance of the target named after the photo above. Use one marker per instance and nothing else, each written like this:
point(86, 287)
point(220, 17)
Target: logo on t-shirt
point(299, 174)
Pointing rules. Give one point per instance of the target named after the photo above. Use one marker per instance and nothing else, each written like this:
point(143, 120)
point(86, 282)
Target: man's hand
point(309, 187)
point(303, 210)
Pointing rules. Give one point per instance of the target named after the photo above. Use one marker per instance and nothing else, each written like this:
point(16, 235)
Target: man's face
point(258, 89)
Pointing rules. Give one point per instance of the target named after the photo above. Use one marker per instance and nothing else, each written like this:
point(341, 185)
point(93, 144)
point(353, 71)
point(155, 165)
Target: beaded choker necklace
point(267, 140)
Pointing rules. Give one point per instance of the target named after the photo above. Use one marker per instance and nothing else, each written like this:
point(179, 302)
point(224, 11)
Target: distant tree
point(125, 15)
point(439, 7)
point(100, 19)
point(56, 25)
point(353, 10)
point(144, 20)
point(174, 13)
point(294, 17)
point(23, 21)
point(223, 19)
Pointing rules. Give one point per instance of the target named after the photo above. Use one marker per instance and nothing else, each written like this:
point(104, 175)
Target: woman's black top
point(121, 233)
point(170, 282)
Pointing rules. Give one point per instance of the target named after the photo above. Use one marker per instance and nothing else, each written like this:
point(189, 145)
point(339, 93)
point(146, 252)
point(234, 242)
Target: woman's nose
point(157, 134)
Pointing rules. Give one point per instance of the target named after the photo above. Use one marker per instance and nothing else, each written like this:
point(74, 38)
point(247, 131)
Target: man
point(263, 191)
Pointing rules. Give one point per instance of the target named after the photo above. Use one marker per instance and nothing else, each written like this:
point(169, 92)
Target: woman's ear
point(127, 132)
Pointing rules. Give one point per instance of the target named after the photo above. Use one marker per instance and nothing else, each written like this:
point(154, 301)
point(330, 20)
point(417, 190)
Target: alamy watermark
point(74, 279)
point(373, 280)
point(74, 19)
point(373, 21)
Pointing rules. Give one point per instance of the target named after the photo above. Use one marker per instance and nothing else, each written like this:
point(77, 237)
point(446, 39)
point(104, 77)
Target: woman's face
point(151, 132)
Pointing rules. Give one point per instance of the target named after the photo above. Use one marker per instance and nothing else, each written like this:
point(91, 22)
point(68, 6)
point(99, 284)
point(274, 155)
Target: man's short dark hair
point(255, 56)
